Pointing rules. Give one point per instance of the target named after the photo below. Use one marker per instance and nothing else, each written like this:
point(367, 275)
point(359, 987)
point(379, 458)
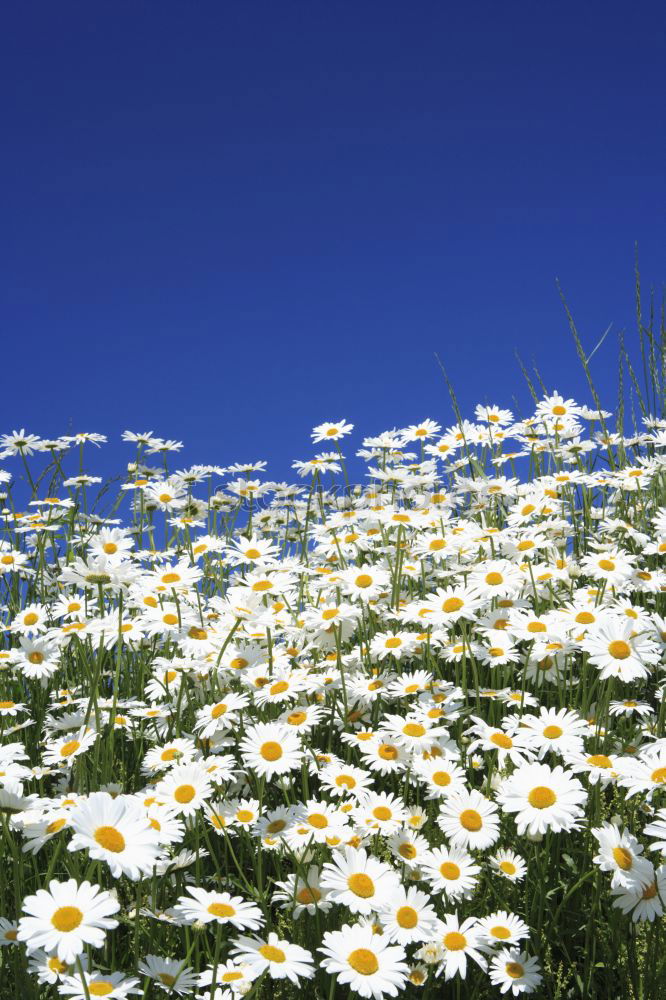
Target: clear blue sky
point(229, 221)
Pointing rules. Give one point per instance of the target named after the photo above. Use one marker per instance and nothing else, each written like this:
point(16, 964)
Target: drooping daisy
point(620, 853)
point(300, 895)
point(169, 974)
point(643, 902)
point(646, 773)
point(50, 969)
point(366, 962)
point(657, 829)
point(67, 917)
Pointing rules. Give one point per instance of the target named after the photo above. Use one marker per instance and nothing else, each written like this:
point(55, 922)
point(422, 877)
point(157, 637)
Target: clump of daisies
point(260, 738)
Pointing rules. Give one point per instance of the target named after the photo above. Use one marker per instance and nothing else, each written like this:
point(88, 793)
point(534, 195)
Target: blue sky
point(228, 222)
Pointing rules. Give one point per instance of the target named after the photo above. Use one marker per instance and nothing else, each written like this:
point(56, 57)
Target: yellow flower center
point(599, 760)
point(308, 895)
point(449, 870)
point(222, 910)
point(454, 941)
point(100, 988)
point(413, 729)
point(272, 954)
point(270, 751)
point(553, 732)
point(619, 649)
point(542, 797)
point(363, 961)
point(501, 740)
point(407, 917)
point(452, 604)
point(184, 794)
point(361, 885)
point(382, 813)
point(441, 778)
point(110, 839)
point(67, 918)
point(67, 749)
point(345, 781)
point(471, 820)
point(514, 969)
point(623, 858)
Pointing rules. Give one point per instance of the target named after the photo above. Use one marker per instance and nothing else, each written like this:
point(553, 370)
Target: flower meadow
point(404, 738)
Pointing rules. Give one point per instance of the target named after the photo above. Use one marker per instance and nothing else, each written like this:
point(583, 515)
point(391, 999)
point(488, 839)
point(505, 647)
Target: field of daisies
point(403, 738)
